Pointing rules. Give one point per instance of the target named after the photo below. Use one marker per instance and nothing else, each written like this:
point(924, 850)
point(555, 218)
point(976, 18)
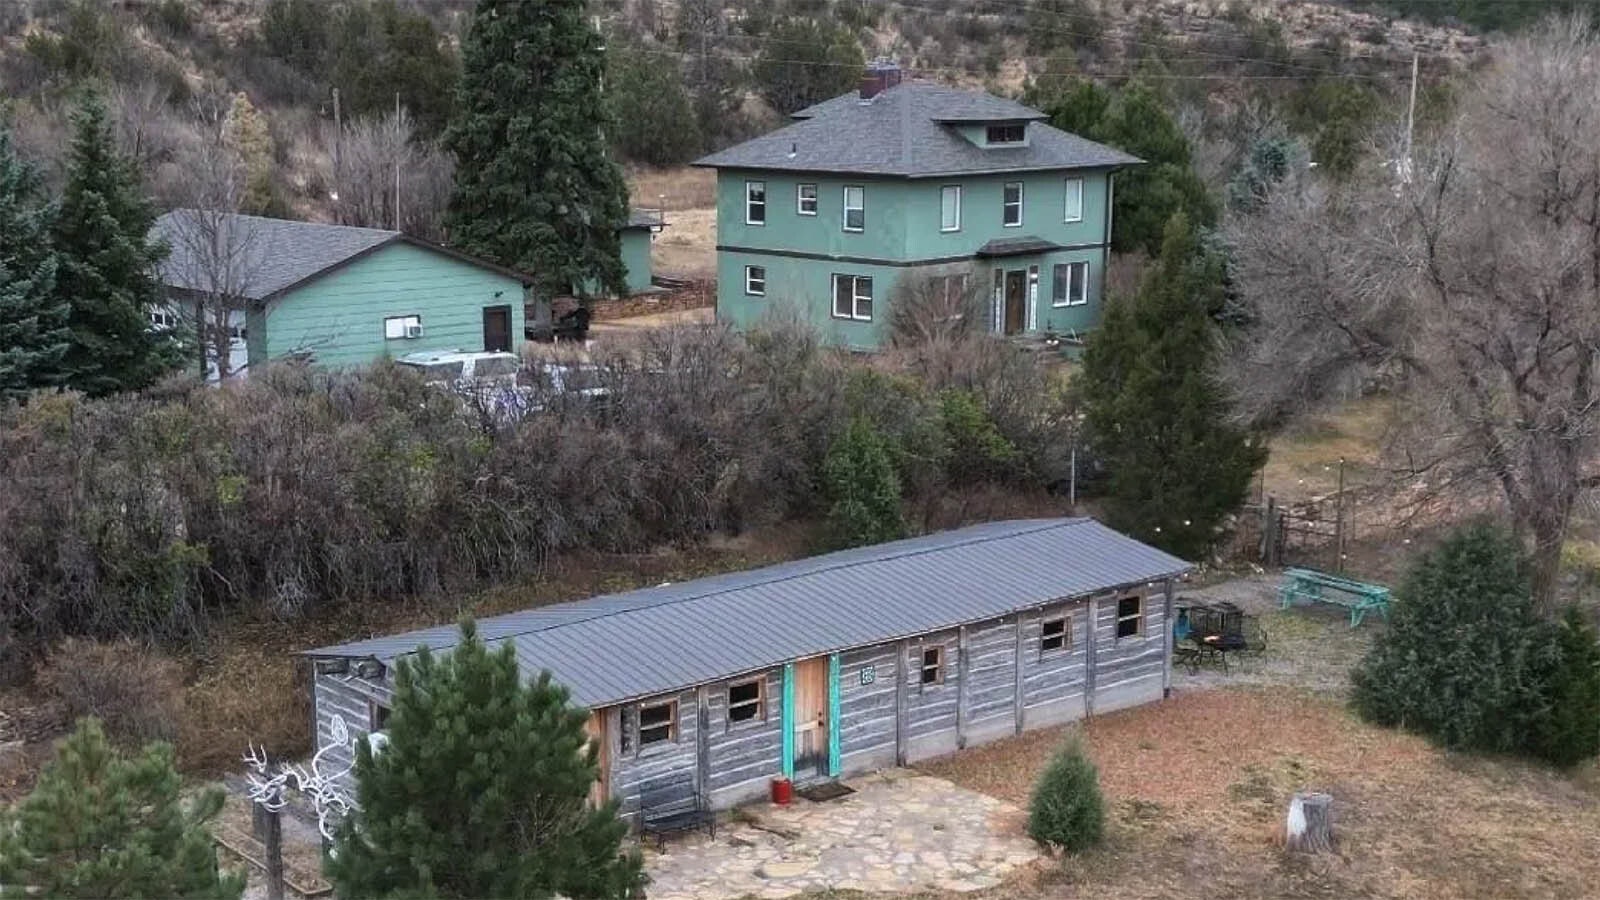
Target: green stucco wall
point(902, 237)
point(339, 318)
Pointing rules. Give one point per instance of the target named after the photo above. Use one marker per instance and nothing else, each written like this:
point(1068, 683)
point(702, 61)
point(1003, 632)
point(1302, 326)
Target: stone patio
point(900, 832)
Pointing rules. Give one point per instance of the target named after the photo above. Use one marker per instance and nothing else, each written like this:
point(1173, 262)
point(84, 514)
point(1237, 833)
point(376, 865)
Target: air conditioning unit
point(413, 331)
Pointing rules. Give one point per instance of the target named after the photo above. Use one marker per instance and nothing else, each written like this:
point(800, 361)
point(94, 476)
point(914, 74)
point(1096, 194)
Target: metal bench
point(671, 805)
point(1319, 587)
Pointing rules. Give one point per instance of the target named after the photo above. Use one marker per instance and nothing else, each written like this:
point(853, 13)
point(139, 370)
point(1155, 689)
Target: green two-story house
point(908, 180)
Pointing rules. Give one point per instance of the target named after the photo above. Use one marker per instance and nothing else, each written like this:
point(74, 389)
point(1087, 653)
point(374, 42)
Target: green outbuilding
point(335, 295)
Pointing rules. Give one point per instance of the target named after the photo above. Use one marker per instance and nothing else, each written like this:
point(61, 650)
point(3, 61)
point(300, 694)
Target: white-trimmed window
point(1130, 616)
point(950, 289)
point(950, 207)
point(747, 700)
point(852, 297)
point(400, 327)
point(1011, 204)
point(855, 207)
point(658, 723)
point(1055, 634)
point(1070, 285)
point(1074, 202)
point(805, 199)
point(162, 319)
point(755, 203)
point(932, 665)
point(755, 281)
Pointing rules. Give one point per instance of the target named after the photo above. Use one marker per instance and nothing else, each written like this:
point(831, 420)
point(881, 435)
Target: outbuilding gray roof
point(908, 131)
point(256, 258)
point(624, 646)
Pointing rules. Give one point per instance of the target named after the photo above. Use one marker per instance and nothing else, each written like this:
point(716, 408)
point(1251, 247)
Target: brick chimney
point(879, 76)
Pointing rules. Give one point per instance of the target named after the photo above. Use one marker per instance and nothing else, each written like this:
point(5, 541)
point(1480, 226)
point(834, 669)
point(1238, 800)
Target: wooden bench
point(670, 805)
point(1320, 587)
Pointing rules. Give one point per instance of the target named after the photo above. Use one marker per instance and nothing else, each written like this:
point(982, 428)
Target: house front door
point(497, 329)
point(810, 722)
point(1016, 310)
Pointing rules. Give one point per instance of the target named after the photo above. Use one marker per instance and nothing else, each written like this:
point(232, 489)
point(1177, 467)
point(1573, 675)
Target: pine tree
point(805, 60)
point(655, 118)
point(481, 791)
point(1465, 659)
point(1066, 809)
point(1153, 412)
point(244, 131)
point(33, 317)
point(535, 187)
point(1571, 733)
point(107, 265)
point(100, 825)
point(859, 479)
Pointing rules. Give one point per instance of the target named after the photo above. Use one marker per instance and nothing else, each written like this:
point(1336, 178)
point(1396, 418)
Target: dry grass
point(680, 187)
point(1304, 461)
point(687, 247)
point(1198, 784)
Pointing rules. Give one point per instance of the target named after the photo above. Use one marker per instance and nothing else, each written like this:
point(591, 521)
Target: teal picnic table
point(1319, 587)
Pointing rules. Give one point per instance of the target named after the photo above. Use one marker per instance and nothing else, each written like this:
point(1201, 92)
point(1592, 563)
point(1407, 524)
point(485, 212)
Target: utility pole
point(338, 138)
point(1411, 115)
point(397, 157)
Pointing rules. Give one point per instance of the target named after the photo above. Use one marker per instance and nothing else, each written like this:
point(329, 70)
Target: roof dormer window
point(1006, 133)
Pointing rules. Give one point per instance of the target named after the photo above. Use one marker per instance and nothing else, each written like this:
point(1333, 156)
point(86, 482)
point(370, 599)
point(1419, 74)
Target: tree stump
point(1310, 825)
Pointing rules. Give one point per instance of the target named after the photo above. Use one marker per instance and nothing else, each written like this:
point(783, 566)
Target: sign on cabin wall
point(869, 674)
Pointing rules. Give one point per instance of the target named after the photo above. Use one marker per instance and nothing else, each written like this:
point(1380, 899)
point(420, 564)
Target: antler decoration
point(325, 790)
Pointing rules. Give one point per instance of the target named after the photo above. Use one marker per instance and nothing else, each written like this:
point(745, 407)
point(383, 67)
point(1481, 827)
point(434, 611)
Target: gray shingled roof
point(623, 646)
point(274, 254)
point(902, 132)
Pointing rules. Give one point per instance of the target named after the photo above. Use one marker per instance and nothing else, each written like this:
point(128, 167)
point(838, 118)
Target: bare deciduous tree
point(933, 309)
point(373, 153)
point(215, 253)
point(1473, 285)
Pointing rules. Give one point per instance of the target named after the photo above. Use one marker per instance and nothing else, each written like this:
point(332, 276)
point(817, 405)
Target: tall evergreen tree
point(100, 825)
point(1153, 411)
point(859, 479)
point(33, 317)
point(481, 791)
point(107, 265)
point(535, 186)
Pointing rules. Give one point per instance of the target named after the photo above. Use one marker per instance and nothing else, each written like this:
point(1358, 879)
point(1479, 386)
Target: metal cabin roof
point(624, 646)
point(908, 131)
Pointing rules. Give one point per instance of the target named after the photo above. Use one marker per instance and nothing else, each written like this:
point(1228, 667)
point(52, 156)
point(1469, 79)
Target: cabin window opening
point(377, 716)
point(755, 203)
point(1009, 133)
point(755, 281)
point(1130, 616)
point(629, 719)
point(855, 207)
point(1011, 205)
point(805, 199)
point(932, 665)
point(658, 723)
point(747, 701)
point(1054, 635)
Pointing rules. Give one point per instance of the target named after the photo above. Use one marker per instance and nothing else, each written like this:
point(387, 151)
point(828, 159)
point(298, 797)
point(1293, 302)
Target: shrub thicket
point(136, 693)
point(1066, 810)
point(1465, 658)
point(858, 476)
point(146, 515)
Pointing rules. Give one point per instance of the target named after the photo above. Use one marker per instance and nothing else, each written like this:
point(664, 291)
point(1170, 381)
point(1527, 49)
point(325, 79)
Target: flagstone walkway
point(900, 832)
